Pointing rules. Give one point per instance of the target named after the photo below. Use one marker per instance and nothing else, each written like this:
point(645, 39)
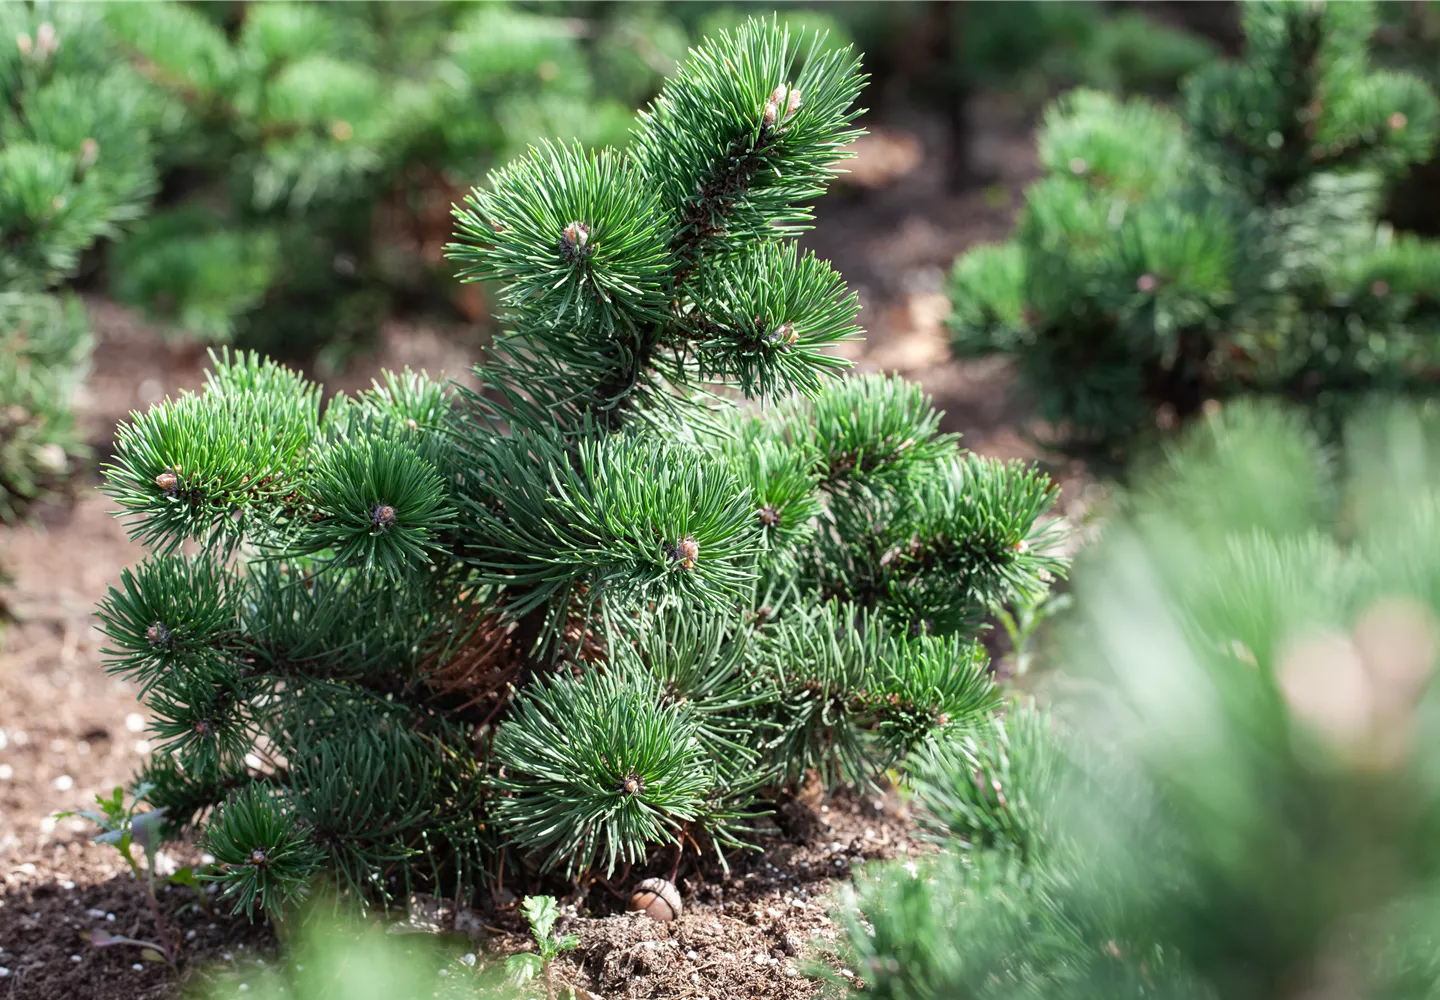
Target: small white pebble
point(66, 884)
point(207, 859)
point(4, 740)
point(444, 972)
point(74, 958)
point(790, 970)
point(244, 987)
point(97, 914)
point(469, 959)
point(6, 772)
point(138, 967)
point(190, 934)
point(110, 917)
point(142, 747)
point(692, 955)
point(21, 737)
point(134, 722)
point(227, 956)
point(83, 747)
point(4, 972)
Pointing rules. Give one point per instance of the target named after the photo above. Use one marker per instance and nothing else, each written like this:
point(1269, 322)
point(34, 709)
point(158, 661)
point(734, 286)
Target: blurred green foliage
point(311, 152)
point(75, 167)
point(1242, 799)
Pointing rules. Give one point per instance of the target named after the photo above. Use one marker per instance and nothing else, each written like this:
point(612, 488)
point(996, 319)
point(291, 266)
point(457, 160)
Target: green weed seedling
point(120, 824)
point(542, 912)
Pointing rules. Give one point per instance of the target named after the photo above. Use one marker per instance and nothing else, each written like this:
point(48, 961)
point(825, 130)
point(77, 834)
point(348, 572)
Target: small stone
point(63, 783)
point(470, 959)
point(138, 967)
point(74, 958)
point(134, 722)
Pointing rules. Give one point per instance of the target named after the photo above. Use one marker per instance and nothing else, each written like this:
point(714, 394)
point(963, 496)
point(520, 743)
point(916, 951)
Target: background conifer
point(1228, 248)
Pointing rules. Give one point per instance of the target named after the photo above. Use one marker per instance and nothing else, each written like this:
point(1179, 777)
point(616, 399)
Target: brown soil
point(68, 732)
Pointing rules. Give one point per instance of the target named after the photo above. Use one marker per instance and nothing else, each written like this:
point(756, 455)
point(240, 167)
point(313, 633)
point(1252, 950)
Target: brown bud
point(686, 551)
point(157, 635)
point(89, 153)
point(768, 516)
point(771, 111)
point(1380, 289)
point(383, 516)
point(46, 41)
point(1398, 121)
point(258, 858)
point(342, 130)
point(632, 785)
point(658, 899)
point(575, 240)
point(577, 234)
point(410, 423)
point(792, 104)
point(1145, 283)
point(167, 481)
point(783, 336)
